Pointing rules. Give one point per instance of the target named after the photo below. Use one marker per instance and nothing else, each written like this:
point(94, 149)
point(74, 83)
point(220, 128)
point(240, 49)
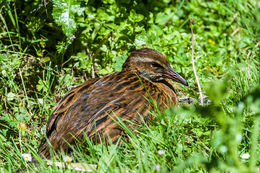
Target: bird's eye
point(154, 64)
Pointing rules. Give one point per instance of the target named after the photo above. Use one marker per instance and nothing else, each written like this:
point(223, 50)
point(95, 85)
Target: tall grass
point(194, 138)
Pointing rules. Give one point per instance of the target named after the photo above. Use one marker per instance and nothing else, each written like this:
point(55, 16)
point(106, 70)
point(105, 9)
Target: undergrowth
point(43, 55)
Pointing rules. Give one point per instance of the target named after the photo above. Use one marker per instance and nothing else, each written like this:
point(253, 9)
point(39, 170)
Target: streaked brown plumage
point(89, 107)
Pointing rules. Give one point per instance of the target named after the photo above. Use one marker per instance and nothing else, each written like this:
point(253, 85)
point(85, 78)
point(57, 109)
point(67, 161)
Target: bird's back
point(92, 108)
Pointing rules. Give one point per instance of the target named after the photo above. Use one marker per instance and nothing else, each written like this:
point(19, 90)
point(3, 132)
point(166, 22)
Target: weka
point(88, 108)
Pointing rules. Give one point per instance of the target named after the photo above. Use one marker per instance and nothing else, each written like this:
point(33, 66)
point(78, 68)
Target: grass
point(194, 138)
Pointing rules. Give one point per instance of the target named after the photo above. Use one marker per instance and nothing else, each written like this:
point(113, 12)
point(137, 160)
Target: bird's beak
point(171, 74)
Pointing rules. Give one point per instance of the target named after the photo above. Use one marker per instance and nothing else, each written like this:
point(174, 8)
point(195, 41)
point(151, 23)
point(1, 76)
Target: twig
point(24, 86)
point(95, 53)
point(92, 62)
point(204, 145)
point(234, 17)
point(193, 64)
point(83, 167)
point(234, 32)
point(74, 166)
point(93, 68)
point(20, 140)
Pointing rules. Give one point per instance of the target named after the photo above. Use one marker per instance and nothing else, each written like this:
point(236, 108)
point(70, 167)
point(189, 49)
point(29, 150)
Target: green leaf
point(119, 61)
point(64, 13)
point(134, 17)
point(162, 18)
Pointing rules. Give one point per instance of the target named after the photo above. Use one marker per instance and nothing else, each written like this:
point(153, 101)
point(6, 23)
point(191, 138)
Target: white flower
point(4, 73)
point(67, 159)
point(73, 37)
point(27, 157)
point(238, 137)
point(40, 101)
point(223, 149)
point(245, 156)
point(22, 126)
point(161, 152)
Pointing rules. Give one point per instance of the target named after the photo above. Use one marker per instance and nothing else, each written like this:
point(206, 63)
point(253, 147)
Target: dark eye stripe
point(155, 64)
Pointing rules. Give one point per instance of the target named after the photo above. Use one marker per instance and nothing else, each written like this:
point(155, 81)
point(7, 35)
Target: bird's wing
point(66, 102)
point(116, 94)
point(60, 111)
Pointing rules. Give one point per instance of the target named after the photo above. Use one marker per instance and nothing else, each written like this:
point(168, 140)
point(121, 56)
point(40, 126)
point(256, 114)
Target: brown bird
point(91, 106)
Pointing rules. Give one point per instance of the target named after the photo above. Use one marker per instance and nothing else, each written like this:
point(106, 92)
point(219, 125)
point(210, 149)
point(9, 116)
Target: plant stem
point(193, 64)
point(254, 140)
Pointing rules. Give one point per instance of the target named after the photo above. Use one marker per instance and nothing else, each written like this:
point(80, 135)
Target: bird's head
point(151, 65)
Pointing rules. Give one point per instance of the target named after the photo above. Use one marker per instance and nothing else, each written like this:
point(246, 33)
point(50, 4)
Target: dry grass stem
point(233, 33)
point(74, 166)
point(193, 63)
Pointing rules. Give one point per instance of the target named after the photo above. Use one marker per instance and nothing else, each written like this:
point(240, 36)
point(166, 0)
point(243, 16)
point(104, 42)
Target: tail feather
point(44, 150)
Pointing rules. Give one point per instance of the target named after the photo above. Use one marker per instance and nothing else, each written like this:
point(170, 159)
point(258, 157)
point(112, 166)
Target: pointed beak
point(171, 74)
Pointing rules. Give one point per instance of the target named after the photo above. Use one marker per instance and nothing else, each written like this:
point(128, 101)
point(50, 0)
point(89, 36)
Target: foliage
point(46, 47)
